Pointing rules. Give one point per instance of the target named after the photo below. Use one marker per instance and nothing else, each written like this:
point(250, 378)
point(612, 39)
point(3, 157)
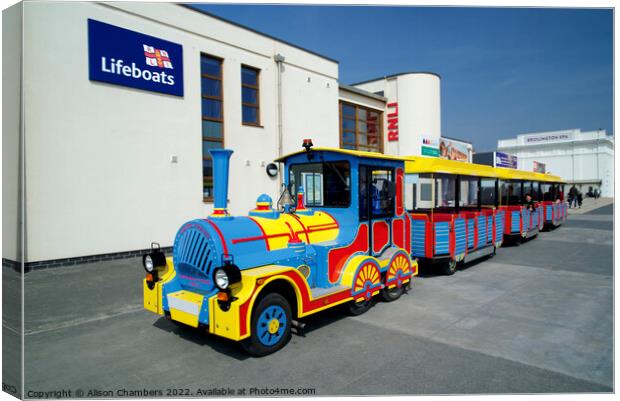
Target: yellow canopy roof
point(423, 164)
point(512, 174)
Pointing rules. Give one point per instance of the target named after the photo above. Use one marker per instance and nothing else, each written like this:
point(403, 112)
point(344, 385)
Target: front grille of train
point(195, 249)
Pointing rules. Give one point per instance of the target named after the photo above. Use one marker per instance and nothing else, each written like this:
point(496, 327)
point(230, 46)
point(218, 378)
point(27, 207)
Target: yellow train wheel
point(366, 284)
point(397, 276)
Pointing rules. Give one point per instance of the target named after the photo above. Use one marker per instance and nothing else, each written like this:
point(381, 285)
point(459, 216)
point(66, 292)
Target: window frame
point(495, 187)
point(356, 131)
point(204, 138)
point(252, 105)
point(370, 214)
point(294, 193)
point(459, 193)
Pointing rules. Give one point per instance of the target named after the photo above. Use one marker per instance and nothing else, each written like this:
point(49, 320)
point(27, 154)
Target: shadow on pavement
point(201, 337)
point(233, 349)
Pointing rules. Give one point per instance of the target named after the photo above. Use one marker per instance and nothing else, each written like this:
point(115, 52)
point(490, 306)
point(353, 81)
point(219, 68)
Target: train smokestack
point(221, 166)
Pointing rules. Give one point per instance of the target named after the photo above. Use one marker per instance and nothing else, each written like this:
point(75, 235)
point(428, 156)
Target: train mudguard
point(234, 322)
point(153, 297)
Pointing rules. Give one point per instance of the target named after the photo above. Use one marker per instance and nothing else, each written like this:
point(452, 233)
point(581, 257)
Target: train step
point(322, 292)
point(386, 256)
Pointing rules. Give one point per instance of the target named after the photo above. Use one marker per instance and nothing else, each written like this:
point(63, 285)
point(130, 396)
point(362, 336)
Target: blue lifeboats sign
point(123, 57)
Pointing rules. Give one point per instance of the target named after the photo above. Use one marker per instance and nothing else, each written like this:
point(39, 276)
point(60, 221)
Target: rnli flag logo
point(157, 57)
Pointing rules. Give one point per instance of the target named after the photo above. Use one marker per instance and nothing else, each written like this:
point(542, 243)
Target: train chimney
point(221, 163)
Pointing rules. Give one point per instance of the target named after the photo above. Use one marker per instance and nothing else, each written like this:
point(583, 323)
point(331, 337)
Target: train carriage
point(555, 208)
point(339, 235)
point(523, 197)
point(453, 211)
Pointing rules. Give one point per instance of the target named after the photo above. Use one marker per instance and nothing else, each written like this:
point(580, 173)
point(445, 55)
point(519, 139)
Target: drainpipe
point(279, 59)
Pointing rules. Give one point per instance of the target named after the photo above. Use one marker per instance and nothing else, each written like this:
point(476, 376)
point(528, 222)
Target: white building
point(109, 168)
point(585, 159)
point(110, 109)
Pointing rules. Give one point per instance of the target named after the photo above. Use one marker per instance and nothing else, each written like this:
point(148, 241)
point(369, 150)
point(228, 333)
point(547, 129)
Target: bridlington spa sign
point(548, 137)
point(123, 57)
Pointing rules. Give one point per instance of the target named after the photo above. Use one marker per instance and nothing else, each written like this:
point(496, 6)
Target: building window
point(250, 109)
point(360, 128)
point(212, 118)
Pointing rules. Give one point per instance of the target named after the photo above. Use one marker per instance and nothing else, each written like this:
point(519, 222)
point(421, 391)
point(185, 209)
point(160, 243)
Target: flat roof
point(363, 92)
point(513, 174)
point(395, 75)
point(356, 153)
point(192, 7)
point(424, 164)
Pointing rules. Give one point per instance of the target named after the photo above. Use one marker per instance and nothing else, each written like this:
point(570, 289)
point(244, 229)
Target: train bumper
point(229, 319)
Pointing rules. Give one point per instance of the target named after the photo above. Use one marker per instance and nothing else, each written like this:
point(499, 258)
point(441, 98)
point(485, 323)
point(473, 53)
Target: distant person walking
point(579, 198)
point(572, 196)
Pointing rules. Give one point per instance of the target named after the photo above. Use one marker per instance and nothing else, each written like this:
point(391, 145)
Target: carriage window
point(530, 188)
point(468, 194)
point(487, 191)
point(547, 191)
point(426, 191)
point(510, 192)
point(418, 191)
point(536, 194)
point(559, 191)
point(325, 184)
point(445, 194)
point(381, 191)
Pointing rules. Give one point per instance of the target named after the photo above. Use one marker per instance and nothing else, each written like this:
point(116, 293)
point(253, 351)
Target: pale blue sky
point(504, 70)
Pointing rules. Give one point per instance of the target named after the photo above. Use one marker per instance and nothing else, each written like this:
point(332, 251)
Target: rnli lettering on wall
point(122, 57)
point(392, 119)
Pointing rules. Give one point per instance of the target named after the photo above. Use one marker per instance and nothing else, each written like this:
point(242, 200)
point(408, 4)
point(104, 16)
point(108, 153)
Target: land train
point(339, 235)
point(464, 211)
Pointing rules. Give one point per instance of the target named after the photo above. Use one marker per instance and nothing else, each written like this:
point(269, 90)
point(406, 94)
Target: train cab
point(453, 207)
point(363, 191)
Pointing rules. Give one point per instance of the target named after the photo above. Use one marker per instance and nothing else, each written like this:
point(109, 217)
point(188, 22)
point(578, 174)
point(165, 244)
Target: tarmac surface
point(536, 318)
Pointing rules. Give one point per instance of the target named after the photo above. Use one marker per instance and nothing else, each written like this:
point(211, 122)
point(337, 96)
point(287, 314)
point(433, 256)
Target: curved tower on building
point(413, 113)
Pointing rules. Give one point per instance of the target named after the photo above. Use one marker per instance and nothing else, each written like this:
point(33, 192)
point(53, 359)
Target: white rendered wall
point(11, 113)
point(419, 109)
point(99, 176)
point(585, 156)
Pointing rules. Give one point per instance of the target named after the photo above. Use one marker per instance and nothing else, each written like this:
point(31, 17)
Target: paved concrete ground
point(535, 318)
point(590, 204)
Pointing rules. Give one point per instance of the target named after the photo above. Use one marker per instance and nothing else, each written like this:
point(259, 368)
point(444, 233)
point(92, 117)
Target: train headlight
point(221, 279)
point(226, 275)
point(148, 263)
point(156, 258)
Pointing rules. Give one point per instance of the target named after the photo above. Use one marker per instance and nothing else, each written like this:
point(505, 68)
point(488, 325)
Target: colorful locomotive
point(345, 239)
